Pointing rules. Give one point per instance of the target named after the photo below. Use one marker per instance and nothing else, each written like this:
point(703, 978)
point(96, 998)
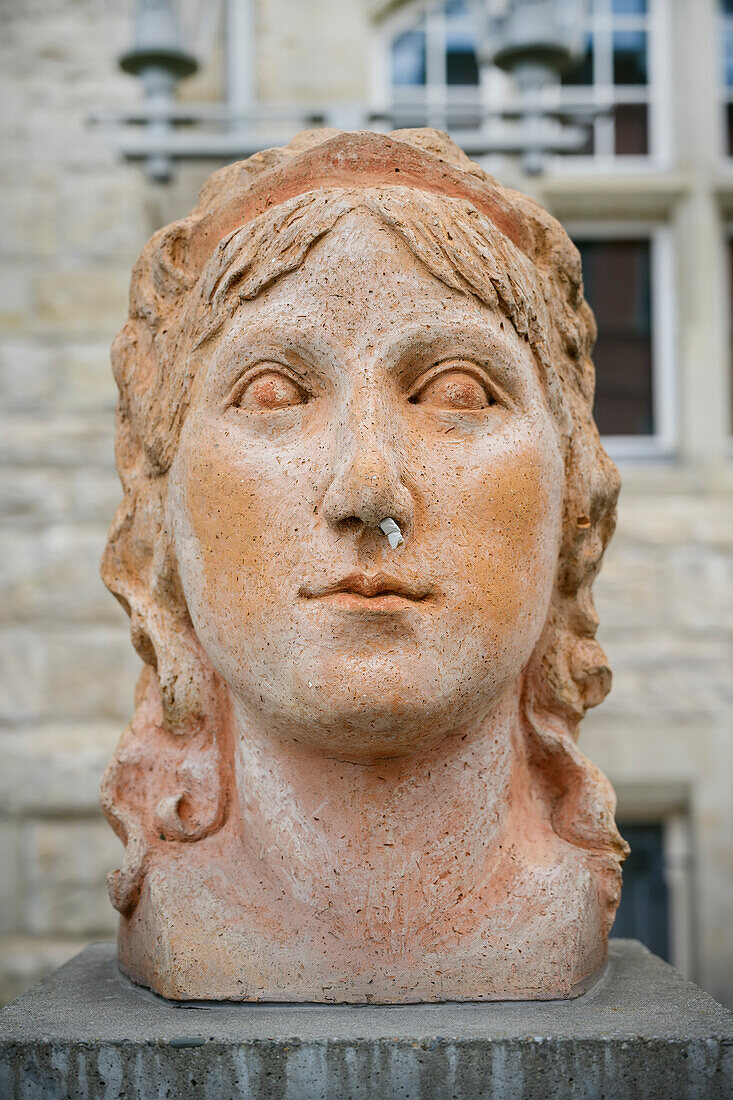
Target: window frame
point(658, 97)
point(662, 443)
point(657, 24)
point(240, 53)
point(386, 29)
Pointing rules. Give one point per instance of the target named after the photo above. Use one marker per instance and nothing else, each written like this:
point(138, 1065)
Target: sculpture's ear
point(165, 781)
point(161, 786)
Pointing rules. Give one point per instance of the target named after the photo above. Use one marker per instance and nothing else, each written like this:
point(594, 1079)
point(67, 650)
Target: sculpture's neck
point(364, 838)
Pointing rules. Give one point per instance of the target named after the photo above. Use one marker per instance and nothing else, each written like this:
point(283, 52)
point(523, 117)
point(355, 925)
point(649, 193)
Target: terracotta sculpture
point(364, 505)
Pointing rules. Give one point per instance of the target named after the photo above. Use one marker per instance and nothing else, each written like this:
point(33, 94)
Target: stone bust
point(351, 774)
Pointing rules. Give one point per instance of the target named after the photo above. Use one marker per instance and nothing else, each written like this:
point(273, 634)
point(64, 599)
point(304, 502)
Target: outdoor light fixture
point(158, 58)
point(533, 41)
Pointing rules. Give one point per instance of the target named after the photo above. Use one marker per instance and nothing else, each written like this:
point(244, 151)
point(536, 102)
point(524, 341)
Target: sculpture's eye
point(454, 389)
point(270, 390)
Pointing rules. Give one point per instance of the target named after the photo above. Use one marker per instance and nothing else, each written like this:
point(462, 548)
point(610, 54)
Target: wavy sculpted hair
point(256, 221)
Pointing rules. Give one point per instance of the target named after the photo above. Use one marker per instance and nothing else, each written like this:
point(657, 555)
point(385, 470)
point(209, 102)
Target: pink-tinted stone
point(351, 774)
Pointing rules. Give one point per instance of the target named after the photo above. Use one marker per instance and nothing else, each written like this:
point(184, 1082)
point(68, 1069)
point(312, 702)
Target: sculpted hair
point(183, 290)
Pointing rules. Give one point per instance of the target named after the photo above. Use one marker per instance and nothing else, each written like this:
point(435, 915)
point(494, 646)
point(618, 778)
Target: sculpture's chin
point(360, 744)
point(365, 727)
point(374, 706)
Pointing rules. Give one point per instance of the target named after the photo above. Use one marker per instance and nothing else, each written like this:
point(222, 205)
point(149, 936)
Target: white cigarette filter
point(392, 531)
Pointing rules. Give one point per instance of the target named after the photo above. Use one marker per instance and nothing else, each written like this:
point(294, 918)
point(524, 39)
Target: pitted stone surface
point(644, 1031)
point(349, 757)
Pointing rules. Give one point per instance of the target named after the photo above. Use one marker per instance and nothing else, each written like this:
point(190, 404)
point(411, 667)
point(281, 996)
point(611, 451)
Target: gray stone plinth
point(643, 1031)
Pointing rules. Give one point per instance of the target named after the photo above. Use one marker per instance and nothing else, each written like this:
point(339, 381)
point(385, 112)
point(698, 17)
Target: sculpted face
point(356, 388)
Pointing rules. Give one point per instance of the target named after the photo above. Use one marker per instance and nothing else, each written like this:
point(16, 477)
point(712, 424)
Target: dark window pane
point(408, 58)
point(617, 279)
point(629, 7)
point(726, 6)
point(582, 73)
point(461, 65)
point(631, 129)
point(644, 910)
point(629, 57)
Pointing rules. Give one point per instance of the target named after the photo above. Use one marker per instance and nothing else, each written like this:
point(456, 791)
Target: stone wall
point(73, 220)
point(663, 736)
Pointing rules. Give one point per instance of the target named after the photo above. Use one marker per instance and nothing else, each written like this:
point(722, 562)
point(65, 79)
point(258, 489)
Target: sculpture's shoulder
point(197, 933)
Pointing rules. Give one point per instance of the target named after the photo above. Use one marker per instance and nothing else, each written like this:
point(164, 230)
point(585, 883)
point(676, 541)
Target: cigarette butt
point(393, 533)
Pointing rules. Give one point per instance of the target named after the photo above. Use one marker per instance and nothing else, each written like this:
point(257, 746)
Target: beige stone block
point(16, 297)
point(102, 213)
point(28, 212)
point(55, 572)
point(90, 673)
point(668, 679)
point(64, 868)
point(95, 495)
point(66, 673)
point(676, 517)
point(54, 769)
point(85, 493)
point(28, 373)
point(23, 665)
point(85, 378)
point(28, 495)
point(93, 301)
point(57, 440)
point(333, 64)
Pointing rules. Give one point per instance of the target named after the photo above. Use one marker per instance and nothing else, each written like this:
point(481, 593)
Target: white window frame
point(658, 97)
point(241, 66)
point(657, 24)
point(677, 853)
point(391, 26)
point(663, 442)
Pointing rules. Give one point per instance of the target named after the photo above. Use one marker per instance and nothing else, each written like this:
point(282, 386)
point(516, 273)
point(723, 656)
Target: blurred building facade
point(649, 200)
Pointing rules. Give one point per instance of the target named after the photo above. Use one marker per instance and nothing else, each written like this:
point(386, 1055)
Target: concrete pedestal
point(643, 1031)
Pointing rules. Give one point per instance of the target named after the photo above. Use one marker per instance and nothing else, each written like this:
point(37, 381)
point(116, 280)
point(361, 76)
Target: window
point(428, 61)
point(432, 64)
point(438, 50)
point(615, 69)
point(643, 913)
point(657, 894)
point(726, 11)
point(617, 279)
point(628, 285)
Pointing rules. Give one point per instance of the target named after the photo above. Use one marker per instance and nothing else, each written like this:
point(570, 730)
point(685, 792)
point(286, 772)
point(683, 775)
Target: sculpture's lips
point(377, 591)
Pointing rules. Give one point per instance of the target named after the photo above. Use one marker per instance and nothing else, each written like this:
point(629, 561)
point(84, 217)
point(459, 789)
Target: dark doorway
point(644, 910)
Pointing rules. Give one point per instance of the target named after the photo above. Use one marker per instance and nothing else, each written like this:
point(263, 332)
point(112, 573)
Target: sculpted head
point(354, 328)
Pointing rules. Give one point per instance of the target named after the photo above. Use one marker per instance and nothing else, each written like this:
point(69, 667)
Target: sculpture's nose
point(367, 486)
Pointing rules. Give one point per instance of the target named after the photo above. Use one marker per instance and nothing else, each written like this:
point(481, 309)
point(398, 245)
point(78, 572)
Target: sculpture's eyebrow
point(299, 347)
point(490, 345)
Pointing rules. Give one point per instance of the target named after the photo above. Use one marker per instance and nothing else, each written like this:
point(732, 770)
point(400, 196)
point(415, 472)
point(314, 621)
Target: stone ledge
point(644, 1031)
